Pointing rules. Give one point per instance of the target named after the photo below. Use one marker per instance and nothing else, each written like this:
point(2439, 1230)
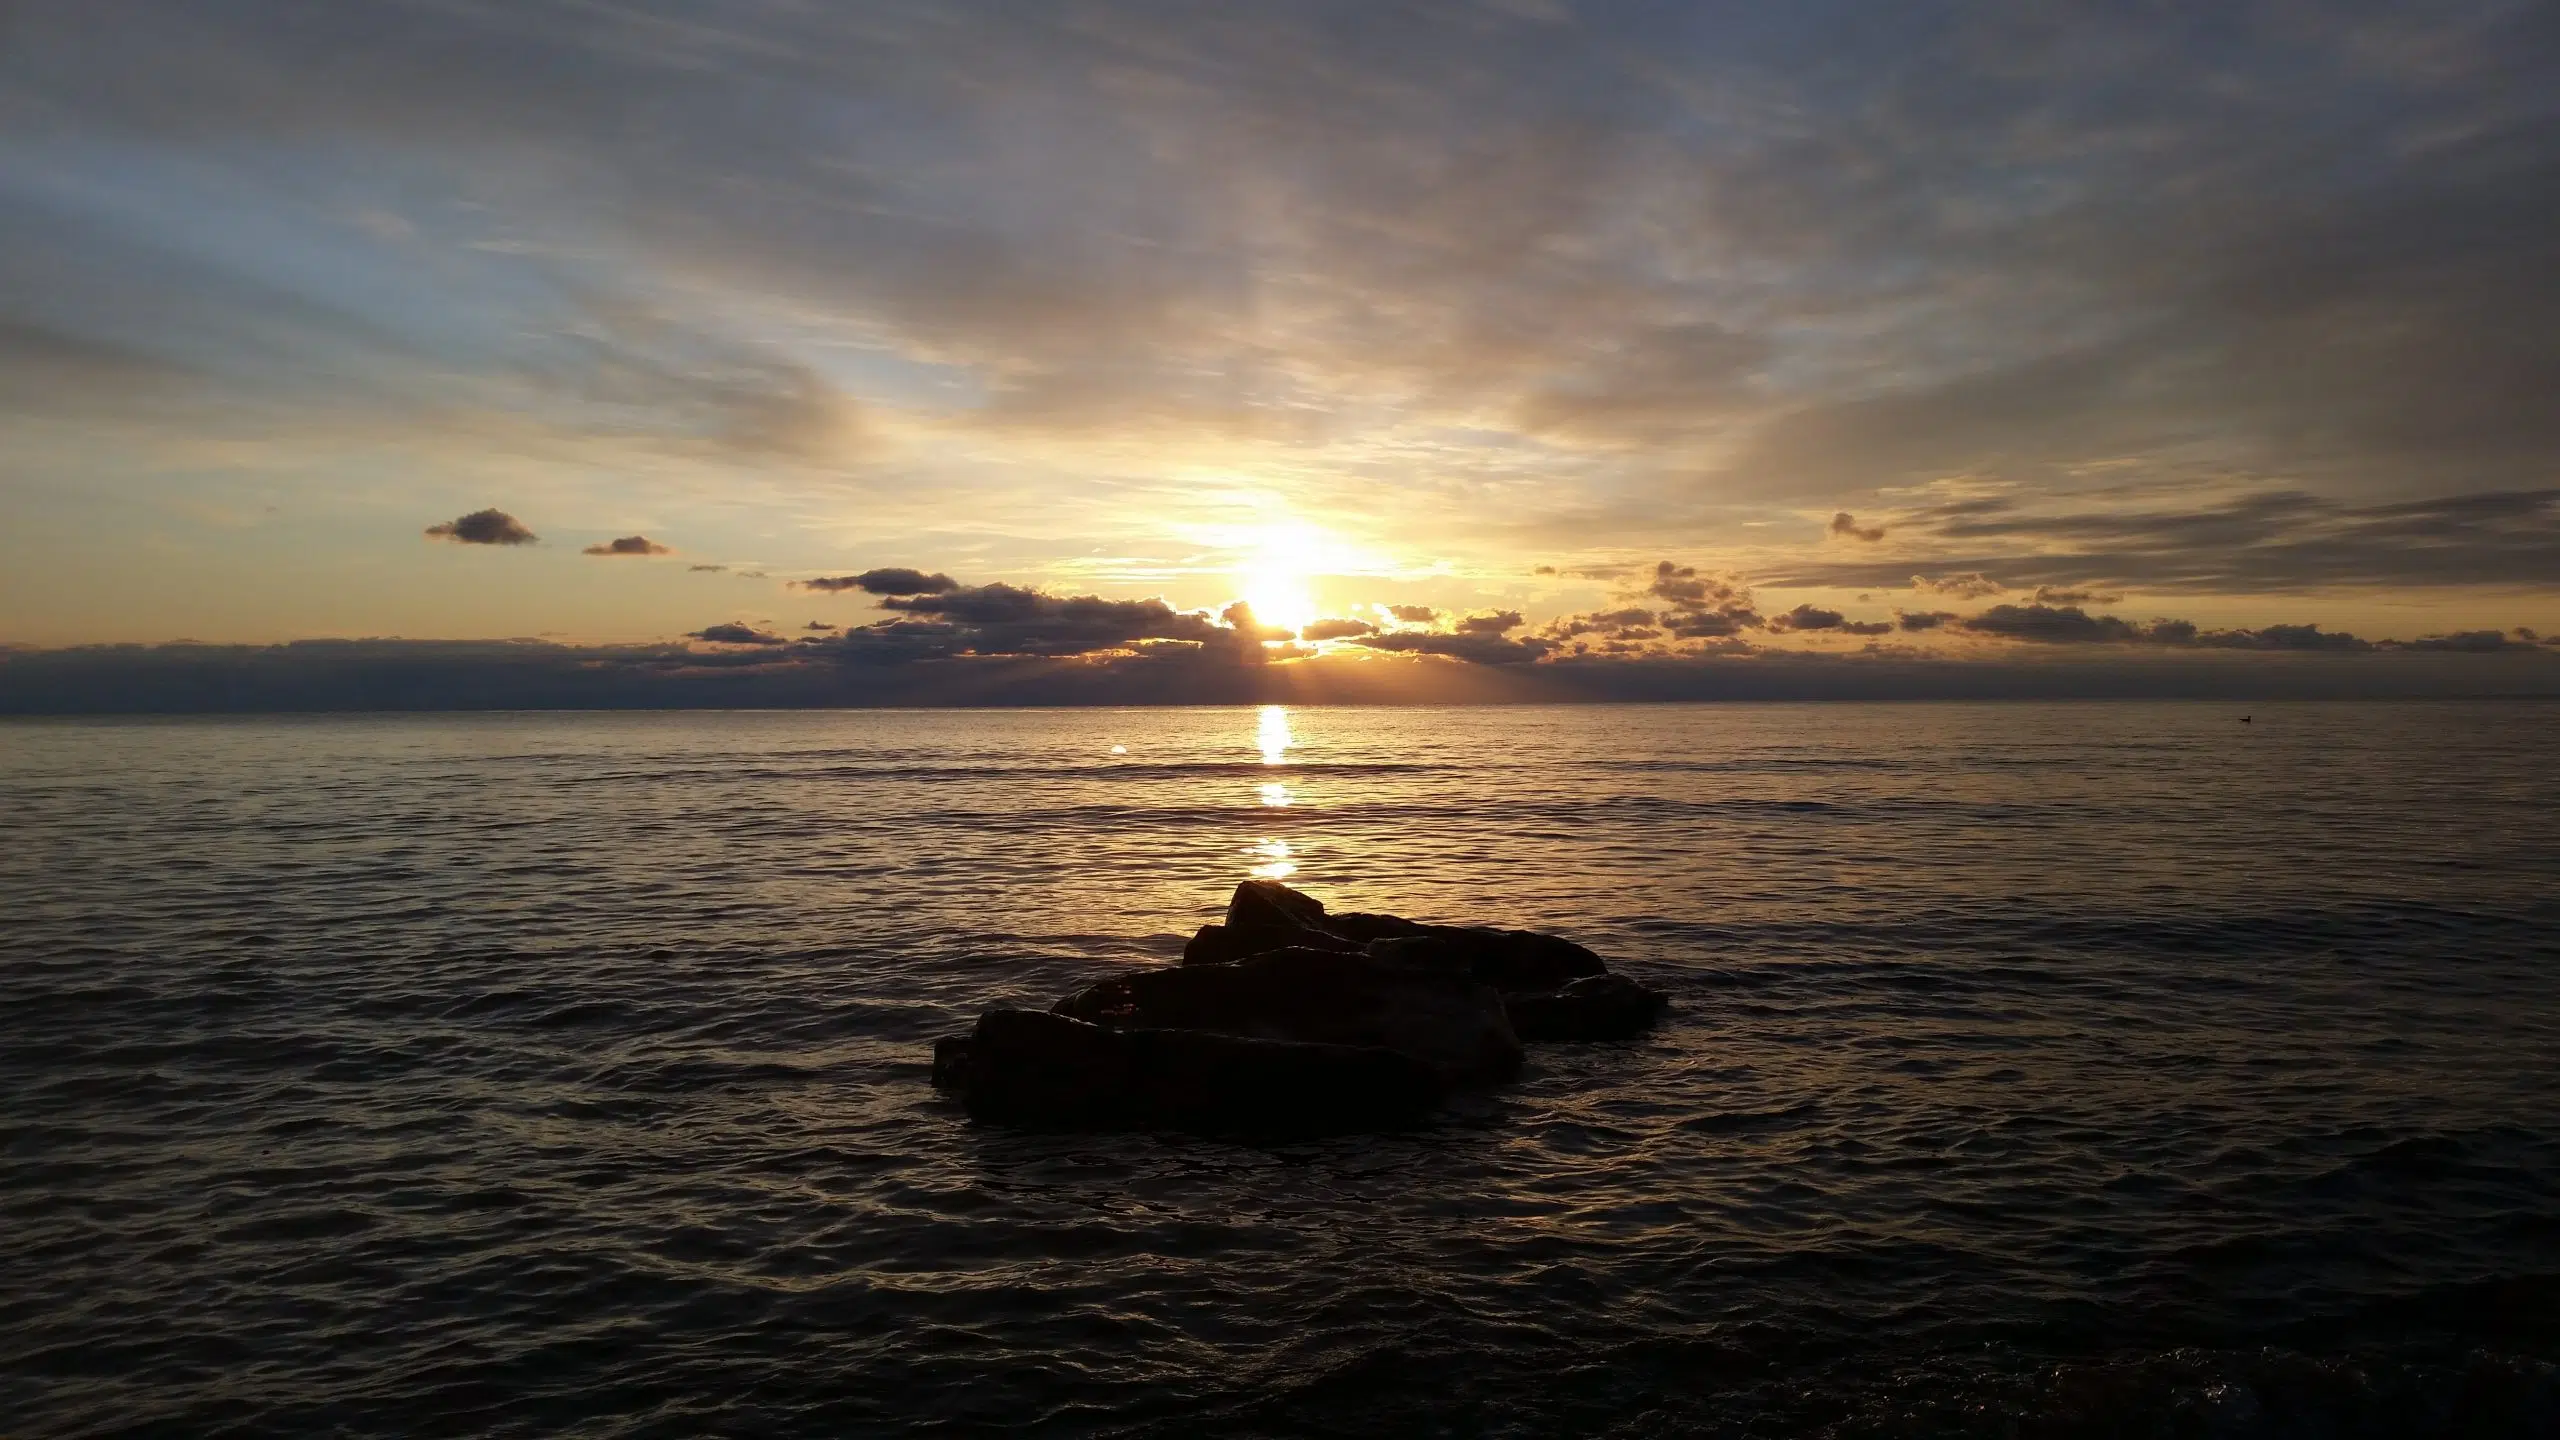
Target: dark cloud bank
point(1685, 636)
point(526, 675)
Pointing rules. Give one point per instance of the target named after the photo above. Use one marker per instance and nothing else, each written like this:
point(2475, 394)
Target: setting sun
point(1275, 582)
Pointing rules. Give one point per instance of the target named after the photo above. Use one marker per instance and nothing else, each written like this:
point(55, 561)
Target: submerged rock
point(1596, 1007)
point(1284, 1018)
point(1048, 1071)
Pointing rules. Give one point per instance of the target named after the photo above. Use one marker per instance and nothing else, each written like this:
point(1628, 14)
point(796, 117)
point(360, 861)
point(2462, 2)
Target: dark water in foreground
point(2107, 1069)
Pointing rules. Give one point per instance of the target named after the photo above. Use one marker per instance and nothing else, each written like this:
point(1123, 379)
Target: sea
point(2104, 1069)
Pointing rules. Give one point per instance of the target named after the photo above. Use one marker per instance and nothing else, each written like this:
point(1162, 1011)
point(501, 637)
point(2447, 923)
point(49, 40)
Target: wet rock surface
point(1447, 1021)
point(1595, 1007)
point(1043, 1070)
point(1286, 1019)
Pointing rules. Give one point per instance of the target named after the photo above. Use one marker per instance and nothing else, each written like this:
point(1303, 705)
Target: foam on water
point(2036, 1069)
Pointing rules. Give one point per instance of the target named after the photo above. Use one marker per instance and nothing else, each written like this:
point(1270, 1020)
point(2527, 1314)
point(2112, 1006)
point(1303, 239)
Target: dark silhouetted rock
point(951, 1062)
point(1511, 960)
point(1507, 960)
point(1226, 944)
point(1284, 1019)
point(1265, 915)
point(1261, 903)
point(1420, 952)
point(1442, 1018)
point(1363, 927)
point(1050, 1071)
point(1596, 1007)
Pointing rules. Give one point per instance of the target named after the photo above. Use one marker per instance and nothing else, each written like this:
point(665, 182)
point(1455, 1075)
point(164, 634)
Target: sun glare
point(1275, 582)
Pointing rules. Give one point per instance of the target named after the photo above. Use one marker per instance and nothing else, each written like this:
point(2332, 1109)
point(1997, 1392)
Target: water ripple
point(2036, 1070)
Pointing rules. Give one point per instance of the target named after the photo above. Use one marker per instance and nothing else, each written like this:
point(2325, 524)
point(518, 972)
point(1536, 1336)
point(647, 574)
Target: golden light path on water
point(1271, 856)
point(1272, 735)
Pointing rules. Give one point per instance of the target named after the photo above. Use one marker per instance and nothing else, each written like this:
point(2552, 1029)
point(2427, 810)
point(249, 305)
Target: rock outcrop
point(1266, 915)
point(1595, 1007)
point(1046, 1071)
point(1440, 1017)
point(1284, 1019)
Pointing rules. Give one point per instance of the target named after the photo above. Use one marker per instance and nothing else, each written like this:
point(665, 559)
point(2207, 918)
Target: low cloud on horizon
point(742, 666)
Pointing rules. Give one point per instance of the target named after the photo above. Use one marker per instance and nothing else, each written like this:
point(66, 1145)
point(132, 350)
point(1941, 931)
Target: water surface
point(2050, 1067)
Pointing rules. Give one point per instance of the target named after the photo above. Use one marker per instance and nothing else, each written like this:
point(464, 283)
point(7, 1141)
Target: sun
point(1275, 580)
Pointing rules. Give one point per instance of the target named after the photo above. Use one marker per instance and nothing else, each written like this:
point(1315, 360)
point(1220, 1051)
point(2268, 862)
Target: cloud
point(1336, 629)
point(1699, 606)
point(2470, 642)
point(1631, 616)
point(736, 633)
point(1657, 267)
point(1632, 623)
point(1808, 617)
point(1477, 647)
point(1414, 614)
point(706, 569)
point(484, 527)
point(2258, 542)
point(344, 675)
point(938, 621)
point(888, 580)
point(1490, 624)
point(2282, 637)
point(2065, 595)
point(689, 385)
point(630, 545)
point(1707, 625)
point(1971, 586)
point(1651, 384)
point(1919, 620)
point(2051, 625)
point(819, 625)
point(1815, 618)
point(2068, 625)
point(1239, 618)
point(1845, 526)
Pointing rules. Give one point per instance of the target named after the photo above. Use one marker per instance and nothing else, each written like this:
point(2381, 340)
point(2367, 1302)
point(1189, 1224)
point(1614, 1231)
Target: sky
point(743, 335)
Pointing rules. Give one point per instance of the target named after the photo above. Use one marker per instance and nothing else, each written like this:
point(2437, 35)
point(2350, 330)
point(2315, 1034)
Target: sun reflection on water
point(1276, 863)
point(1271, 857)
point(1273, 735)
